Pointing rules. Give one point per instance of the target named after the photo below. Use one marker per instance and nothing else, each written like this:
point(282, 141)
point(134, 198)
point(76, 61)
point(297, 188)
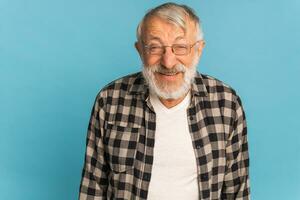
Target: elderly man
point(167, 132)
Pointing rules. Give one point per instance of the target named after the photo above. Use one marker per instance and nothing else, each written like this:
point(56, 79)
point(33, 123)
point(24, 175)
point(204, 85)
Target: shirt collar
point(139, 85)
point(198, 86)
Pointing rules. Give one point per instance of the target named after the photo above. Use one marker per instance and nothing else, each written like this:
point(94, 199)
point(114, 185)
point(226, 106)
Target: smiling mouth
point(169, 74)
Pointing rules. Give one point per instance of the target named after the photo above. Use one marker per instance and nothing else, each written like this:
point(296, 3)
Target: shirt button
point(204, 177)
point(151, 117)
point(146, 177)
point(191, 117)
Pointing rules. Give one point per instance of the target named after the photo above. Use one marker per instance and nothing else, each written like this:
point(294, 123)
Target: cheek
point(185, 61)
point(151, 60)
point(189, 60)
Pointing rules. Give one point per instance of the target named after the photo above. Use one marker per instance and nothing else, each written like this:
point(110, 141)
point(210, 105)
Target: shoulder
point(218, 91)
point(223, 97)
point(122, 86)
point(124, 83)
point(215, 86)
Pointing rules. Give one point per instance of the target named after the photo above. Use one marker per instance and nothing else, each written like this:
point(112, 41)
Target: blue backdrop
point(55, 56)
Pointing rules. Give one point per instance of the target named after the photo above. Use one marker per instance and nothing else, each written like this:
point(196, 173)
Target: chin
point(169, 86)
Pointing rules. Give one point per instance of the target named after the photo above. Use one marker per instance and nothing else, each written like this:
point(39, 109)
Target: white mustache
point(163, 70)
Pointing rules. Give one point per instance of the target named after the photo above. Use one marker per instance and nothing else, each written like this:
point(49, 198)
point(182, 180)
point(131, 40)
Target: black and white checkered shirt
point(121, 138)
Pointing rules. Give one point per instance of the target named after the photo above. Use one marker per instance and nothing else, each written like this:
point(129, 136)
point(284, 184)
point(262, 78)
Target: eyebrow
point(180, 38)
point(155, 38)
point(158, 39)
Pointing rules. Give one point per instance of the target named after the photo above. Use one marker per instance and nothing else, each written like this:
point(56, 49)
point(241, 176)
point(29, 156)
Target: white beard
point(166, 90)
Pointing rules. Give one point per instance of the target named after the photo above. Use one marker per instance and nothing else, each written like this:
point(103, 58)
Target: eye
point(180, 46)
point(155, 48)
point(180, 49)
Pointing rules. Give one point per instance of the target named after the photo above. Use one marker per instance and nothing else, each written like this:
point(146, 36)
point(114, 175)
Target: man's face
point(169, 70)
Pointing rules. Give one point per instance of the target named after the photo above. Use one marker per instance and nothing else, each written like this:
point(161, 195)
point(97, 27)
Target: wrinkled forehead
point(155, 24)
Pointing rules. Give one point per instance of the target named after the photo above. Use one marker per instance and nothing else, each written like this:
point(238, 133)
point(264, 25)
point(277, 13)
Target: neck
point(169, 103)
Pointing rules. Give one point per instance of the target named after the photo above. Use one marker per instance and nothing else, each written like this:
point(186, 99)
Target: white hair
point(175, 14)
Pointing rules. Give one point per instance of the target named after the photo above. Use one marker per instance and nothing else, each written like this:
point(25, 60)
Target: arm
point(236, 183)
point(94, 175)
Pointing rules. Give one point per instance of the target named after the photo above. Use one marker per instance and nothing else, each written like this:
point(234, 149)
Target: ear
point(200, 47)
point(139, 49)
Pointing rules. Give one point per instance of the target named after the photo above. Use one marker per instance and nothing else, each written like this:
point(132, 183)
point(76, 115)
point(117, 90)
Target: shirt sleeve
point(236, 183)
point(94, 181)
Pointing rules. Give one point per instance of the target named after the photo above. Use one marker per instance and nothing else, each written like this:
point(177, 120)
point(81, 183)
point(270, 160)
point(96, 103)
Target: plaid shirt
point(121, 138)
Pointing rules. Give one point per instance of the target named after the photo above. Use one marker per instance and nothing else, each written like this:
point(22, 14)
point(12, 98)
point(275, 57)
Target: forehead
point(156, 27)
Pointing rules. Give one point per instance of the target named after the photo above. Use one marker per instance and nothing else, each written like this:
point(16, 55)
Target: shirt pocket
point(121, 146)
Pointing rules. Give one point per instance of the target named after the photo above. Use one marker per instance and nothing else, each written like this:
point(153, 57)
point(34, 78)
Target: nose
point(168, 59)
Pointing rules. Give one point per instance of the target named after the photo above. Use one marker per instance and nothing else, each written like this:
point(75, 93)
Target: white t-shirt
point(174, 171)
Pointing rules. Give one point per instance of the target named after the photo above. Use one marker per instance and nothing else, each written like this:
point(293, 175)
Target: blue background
point(56, 55)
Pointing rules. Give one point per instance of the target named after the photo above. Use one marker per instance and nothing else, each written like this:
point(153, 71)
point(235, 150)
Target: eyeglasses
point(177, 49)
